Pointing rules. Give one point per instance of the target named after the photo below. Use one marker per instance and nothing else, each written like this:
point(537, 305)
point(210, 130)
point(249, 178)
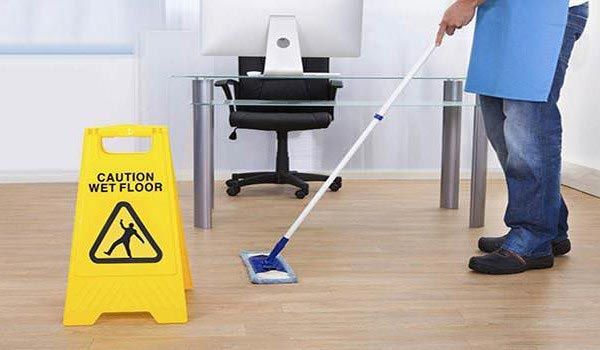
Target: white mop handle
point(411, 74)
point(330, 180)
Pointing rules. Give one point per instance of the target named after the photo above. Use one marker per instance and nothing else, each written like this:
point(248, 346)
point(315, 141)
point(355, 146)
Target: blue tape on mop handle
point(277, 249)
point(378, 117)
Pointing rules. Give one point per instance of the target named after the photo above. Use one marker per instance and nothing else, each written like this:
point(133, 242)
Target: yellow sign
point(128, 251)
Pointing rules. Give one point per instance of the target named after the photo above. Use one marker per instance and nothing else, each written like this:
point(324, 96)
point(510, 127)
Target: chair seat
point(280, 121)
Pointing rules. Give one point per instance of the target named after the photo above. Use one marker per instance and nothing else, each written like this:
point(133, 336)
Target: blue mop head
point(280, 272)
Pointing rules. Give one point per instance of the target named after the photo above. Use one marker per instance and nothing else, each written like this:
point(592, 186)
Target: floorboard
point(380, 267)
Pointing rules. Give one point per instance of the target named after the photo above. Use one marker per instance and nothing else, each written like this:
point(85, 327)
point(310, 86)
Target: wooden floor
point(380, 267)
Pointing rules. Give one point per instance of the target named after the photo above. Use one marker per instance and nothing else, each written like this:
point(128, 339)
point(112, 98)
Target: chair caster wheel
point(336, 185)
point(300, 194)
point(233, 190)
point(231, 182)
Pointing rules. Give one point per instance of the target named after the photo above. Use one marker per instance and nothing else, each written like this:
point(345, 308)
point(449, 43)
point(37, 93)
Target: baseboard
point(416, 174)
point(575, 176)
point(62, 176)
point(581, 178)
point(35, 176)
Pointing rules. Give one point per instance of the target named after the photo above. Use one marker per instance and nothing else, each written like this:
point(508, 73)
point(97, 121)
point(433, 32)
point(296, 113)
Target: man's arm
point(121, 222)
point(138, 236)
point(457, 16)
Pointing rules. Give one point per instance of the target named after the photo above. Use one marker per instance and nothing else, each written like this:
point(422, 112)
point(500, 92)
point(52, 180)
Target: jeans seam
point(545, 174)
point(579, 16)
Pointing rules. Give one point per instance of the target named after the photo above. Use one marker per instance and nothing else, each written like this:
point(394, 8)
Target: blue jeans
point(527, 137)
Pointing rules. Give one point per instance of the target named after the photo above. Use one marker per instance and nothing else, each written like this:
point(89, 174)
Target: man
point(520, 56)
point(125, 239)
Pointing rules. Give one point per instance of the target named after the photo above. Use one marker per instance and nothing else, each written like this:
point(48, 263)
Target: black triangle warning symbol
point(121, 243)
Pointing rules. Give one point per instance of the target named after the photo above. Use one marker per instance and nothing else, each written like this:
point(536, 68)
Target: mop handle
point(378, 117)
point(409, 76)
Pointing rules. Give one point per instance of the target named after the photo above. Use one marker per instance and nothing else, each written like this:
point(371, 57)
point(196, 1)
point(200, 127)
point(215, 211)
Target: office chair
point(280, 119)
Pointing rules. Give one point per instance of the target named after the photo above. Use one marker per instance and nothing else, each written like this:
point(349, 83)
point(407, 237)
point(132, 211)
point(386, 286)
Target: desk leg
point(478, 171)
point(204, 174)
point(450, 184)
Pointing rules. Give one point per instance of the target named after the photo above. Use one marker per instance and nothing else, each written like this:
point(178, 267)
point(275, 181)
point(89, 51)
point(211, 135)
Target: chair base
point(293, 178)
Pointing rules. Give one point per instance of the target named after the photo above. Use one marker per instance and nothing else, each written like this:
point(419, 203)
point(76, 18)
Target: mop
point(272, 268)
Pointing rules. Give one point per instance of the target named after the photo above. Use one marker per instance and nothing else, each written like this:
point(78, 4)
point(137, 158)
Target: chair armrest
point(224, 84)
point(334, 86)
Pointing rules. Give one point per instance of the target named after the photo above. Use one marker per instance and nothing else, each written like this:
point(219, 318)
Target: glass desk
point(204, 103)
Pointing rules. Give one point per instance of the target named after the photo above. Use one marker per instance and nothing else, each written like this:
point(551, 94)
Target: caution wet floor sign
point(128, 250)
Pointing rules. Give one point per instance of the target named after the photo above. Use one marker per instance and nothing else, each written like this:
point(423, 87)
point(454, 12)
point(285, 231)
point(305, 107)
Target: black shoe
point(491, 244)
point(505, 262)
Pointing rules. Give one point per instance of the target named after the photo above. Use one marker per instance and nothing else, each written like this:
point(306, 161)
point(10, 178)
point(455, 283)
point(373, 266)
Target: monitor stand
point(283, 47)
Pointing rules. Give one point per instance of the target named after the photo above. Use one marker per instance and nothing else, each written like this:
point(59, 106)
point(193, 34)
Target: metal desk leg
point(478, 171)
point(453, 92)
point(204, 177)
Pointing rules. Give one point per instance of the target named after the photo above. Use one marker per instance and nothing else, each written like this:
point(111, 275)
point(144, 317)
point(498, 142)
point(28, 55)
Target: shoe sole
point(558, 249)
point(532, 264)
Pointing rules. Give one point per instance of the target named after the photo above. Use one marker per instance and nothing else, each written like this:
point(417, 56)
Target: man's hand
point(457, 16)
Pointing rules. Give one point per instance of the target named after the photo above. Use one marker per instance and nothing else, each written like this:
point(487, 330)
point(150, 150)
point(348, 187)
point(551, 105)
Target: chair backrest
point(283, 89)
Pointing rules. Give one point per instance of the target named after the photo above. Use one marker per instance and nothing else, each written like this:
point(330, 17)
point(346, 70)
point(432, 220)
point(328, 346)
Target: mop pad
point(281, 273)
point(271, 268)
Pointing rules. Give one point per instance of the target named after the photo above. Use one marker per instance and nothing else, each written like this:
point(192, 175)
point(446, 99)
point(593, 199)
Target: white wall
point(47, 101)
point(580, 104)
point(76, 26)
point(395, 34)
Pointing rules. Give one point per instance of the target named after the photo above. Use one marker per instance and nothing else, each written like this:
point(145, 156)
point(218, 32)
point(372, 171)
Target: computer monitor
point(282, 30)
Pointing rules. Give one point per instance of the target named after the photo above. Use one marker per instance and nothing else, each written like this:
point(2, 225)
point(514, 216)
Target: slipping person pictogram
point(125, 239)
point(147, 252)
